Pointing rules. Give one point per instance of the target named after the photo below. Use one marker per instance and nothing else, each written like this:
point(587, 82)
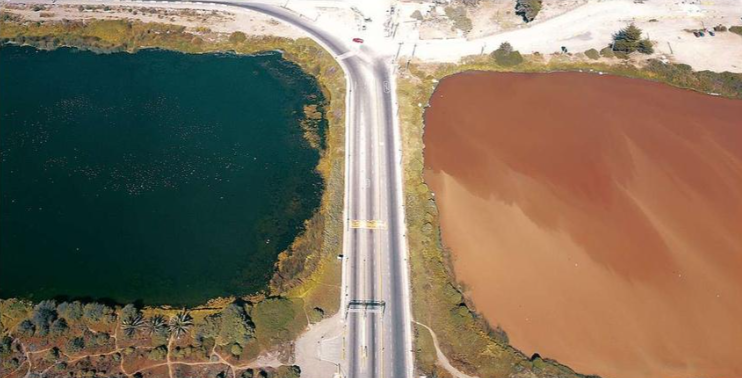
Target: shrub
point(6, 345)
point(59, 327)
point(237, 37)
point(248, 373)
point(417, 15)
point(592, 54)
point(316, 315)
point(208, 328)
point(70, 311)
point(75, 345)
point(129, 312)
point(528, 9)
point(158, 354)
point(287, 372)
point(235, 349)
point(460, 20)
point(607, 52)
point(506, 56)
point(25, 328)
point(11, 364)
point(96, 312)
point(52, 355)
point(236, 326)
point(736, 30)
point(102, 338)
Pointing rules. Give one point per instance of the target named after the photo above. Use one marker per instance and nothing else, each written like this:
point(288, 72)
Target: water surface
point(155, 176)
point(596, 219)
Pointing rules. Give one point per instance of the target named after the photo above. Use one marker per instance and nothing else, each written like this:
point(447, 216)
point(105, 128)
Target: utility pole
point(414, 47)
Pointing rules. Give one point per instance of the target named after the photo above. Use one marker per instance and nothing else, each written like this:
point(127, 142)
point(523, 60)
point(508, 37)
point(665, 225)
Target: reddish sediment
point(597, 219)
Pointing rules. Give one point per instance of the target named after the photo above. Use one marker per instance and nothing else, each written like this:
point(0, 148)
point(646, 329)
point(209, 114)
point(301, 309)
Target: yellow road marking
point(371, 224)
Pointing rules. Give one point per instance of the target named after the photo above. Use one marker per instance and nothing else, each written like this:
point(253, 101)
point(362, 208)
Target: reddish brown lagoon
point(598, 220)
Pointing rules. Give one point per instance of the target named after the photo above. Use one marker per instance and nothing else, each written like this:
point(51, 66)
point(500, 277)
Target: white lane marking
point(346, 55)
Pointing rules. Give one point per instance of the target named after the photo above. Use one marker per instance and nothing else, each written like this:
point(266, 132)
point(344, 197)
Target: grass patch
point(459, 18)
point(278, 321)
point(467, 340)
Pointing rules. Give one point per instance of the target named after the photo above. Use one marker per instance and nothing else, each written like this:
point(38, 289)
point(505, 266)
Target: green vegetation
point(467, 340)
point(460, 20)
point(236, 326)
point(528, 9)
point(180, 323)
point(736, 30)
point(158, 354)
point(592, 54)
point(629, 40)
point(507, 57)
point(278, 321)
point(607, 52)
point(417, 15)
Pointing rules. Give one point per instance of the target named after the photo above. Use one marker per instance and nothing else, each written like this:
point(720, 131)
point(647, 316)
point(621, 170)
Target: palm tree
point(156, 324)
point(130, 325)
point(181, 323)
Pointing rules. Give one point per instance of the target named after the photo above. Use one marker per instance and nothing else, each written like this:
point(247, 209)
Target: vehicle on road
point(358, 40)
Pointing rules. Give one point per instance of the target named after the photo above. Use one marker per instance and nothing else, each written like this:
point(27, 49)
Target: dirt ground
point(251, 23)
point(581, 25)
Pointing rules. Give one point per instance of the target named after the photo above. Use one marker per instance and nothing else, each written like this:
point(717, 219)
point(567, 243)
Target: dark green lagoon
point(157, 176)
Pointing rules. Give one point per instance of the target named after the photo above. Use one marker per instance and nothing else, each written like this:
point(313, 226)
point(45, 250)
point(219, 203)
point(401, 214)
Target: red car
point(357, 40)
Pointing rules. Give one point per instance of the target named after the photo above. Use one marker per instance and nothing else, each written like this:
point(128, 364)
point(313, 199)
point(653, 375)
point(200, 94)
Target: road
point(378, 338)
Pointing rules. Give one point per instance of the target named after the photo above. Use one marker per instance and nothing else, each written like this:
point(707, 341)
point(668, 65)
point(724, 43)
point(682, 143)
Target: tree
point(528, 9)
point(156, 325)
point(44, 313)
point(629, 39)
point(645, 46)
point(417, 15)
point(70, 311)
point(236, 326)
point(131, 320)
point(506, 56)
point(181, 323)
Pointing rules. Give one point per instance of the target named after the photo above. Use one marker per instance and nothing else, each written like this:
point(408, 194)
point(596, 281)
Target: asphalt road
point(378, 340)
